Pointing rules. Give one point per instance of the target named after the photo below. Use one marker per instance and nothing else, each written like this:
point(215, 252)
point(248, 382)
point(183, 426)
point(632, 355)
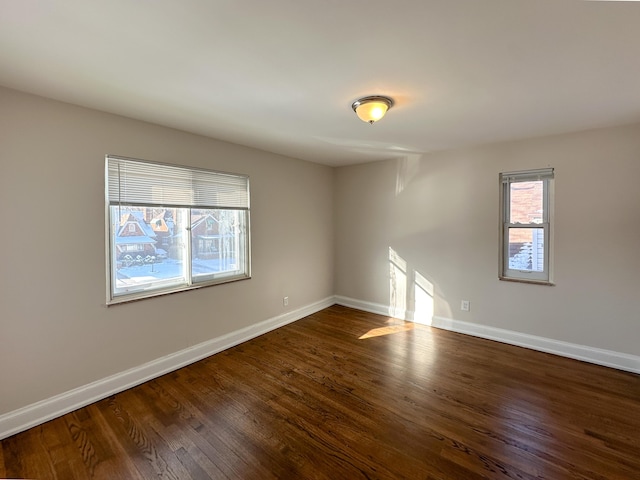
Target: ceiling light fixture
point(371, 109)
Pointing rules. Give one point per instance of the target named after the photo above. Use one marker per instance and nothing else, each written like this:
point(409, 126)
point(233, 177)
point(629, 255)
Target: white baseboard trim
point(50, 408)
point(598, 356)
point(381, 309)
point(370, 307)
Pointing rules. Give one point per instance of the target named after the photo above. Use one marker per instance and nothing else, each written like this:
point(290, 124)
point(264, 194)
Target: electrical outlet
point(464, 305)
point(285, 301)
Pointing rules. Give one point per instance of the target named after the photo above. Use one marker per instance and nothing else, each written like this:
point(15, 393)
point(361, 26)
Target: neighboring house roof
point(158, 224)
point(138, 218)
point(131, 240)
point(145, 226)
point(199, 220)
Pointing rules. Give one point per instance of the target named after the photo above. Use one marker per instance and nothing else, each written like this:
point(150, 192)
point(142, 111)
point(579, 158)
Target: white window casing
point(533, 261)
point(140, 186)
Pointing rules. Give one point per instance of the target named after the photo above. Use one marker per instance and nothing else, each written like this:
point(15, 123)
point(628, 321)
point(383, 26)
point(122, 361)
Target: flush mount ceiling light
point(371, 109)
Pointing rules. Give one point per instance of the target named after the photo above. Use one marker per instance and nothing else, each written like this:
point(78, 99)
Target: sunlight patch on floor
point(388, 330)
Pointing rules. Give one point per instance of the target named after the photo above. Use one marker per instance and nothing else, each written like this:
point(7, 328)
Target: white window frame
point(132, 182)
point(545, 175)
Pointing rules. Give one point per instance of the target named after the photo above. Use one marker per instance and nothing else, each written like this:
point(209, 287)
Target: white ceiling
point(280, 75)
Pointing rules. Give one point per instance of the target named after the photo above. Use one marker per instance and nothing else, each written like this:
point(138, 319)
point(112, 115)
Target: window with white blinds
point(173, 228)
point(137, 182)
point(525, 246)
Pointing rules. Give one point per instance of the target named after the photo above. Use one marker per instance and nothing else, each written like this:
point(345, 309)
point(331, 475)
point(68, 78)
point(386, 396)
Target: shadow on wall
point(410, 293)
point(408, 167)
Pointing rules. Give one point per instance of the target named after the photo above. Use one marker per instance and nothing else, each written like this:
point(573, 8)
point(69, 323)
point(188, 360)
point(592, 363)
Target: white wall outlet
point(285, 301)
point(465, 305)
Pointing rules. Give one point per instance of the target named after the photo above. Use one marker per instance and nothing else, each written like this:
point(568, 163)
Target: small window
point(173, 228)
point(525, 247)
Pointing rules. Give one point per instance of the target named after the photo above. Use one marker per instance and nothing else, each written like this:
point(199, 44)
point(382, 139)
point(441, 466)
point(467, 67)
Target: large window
point(525, 251)
point(173, 228)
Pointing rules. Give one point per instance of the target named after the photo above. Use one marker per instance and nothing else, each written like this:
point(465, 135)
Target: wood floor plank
point(349, 426)
point(344, 394)
point(206, 432)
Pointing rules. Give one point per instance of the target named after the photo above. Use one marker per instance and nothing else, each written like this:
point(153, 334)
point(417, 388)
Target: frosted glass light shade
point(372, 109)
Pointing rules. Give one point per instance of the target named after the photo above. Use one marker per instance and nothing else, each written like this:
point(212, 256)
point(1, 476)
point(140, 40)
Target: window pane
point(526, 249)
point(148, 248)
point(217, 243)
point(526, 204)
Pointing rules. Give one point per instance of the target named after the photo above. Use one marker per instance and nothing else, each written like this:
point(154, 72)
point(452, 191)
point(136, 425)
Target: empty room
point(320, 240)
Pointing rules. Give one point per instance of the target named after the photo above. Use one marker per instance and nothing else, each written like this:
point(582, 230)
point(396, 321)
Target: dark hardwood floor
point(344, 394)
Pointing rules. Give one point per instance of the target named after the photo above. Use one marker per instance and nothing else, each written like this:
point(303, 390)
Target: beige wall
point(438, 215)
point(435, 216)
point(56, 333)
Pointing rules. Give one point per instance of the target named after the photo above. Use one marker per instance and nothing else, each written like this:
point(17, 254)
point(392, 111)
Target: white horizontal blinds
point(527, 175)
point(220, 190)
point(137, 182)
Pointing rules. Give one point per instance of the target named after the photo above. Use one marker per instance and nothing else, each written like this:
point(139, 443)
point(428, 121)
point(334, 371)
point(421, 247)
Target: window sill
point(143, 295)
point(522, 280)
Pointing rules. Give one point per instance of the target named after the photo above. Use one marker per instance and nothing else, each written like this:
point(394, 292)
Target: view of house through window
point(151, 245)
point(156, 248)
point(526, 225)
point(526, 245)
